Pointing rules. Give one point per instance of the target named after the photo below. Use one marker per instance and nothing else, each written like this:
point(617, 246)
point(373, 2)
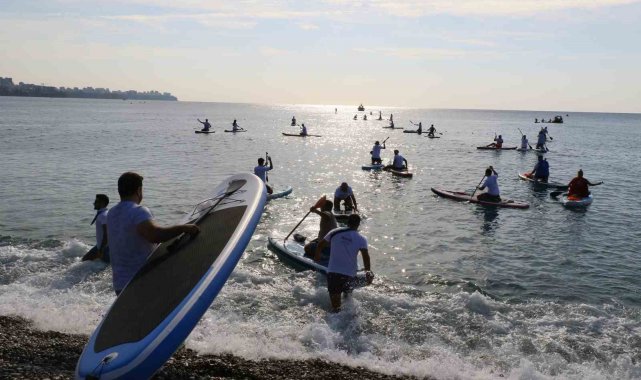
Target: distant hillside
point(8, 88)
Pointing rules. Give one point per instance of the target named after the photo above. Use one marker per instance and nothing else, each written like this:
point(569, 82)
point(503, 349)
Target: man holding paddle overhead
point(376, 152)
point(261, 172)
point(345, 244)
point(133, 235)
point(344, 193)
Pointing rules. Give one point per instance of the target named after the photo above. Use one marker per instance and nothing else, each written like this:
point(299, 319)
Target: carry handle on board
point(231, 189)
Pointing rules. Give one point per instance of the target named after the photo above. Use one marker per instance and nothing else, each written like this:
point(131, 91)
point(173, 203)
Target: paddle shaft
point(266, 175)
point(294, 229)
point(477, 186)
point(555, 194)
point(528, 144)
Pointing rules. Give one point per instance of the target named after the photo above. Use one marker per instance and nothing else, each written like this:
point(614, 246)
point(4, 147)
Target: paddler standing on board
point(376, 153)
point(540, 140)
point(399, 162)
point(578, 187)
point(133, 235)
point(323, 208)
point(493, 193)
point(345, 245)
point(261, 172)
point(345, 194)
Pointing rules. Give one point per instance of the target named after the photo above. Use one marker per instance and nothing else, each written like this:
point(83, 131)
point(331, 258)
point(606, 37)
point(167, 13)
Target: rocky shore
point(27, 353)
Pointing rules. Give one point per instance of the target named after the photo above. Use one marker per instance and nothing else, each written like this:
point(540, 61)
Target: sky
point(565, 55)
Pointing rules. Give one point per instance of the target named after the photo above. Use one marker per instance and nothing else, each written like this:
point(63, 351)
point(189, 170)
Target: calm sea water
point(461, 291)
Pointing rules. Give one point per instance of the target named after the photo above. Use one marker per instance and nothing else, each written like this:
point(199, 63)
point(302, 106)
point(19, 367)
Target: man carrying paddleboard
point(327, 223)
point(133, 235)
point(344, 193)
point(493, 193)
point(206, 125)
point(376, 153)
point(578, 187)
point(399, 162)
point(261, 172)
point(541, 170)
point(345, 245)
point(101, 249)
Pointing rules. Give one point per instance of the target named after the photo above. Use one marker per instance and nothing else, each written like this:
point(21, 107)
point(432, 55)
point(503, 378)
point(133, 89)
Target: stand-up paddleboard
point(373, 167)
point(400, 173)
point(432, 137)
point(491, 148)
point(575, 202)
point(465, 197)
point(163, 302)
point(342, 215)
point(279, 194)
point(414, 132)
point(205, 132)
point(232, 131)
point(555, 185)
point(299, 135)
point(292, 254)
point(393, 127)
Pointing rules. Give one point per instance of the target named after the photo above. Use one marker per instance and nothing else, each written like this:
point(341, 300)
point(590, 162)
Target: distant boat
point(361, 108)
point(558, 119)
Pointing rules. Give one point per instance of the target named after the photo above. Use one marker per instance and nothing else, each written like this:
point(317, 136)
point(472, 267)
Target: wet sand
point(27, 353)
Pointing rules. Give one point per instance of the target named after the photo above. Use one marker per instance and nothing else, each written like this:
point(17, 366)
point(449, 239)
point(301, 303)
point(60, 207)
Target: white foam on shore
point(388, 328)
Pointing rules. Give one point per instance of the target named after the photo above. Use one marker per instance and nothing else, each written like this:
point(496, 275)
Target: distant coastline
point(8, 88)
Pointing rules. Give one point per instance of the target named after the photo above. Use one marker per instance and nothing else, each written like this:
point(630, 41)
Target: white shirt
point(492, 185)
point(128, 250)
point(524, 143)
point(398, 161)
point(376, 151)
point(340, 194)
point(345, 245)
point(261, 170)
point(101, 220)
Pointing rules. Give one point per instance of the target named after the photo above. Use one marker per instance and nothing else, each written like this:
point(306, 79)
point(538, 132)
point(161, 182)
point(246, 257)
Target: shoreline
point(27, 353)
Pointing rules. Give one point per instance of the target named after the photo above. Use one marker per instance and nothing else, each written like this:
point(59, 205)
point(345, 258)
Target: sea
point(461, 291)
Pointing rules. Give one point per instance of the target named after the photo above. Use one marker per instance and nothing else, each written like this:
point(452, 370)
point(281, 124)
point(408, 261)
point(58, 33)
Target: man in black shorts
point(345, 243)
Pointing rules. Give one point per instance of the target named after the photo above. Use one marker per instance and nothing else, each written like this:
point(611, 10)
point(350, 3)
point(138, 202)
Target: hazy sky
point(569, 55)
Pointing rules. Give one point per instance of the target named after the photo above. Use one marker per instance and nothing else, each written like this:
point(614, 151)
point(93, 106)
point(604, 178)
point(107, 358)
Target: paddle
point(555, 194)
point(528, 144)
point(477, 186)
point(266, 175)
point(319, 204)
point(232, 188)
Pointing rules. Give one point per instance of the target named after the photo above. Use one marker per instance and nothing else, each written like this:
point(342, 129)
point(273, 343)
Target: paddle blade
point(321, 202)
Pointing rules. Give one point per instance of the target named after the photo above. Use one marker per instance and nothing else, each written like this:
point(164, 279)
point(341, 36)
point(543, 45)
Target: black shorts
point(339, 283)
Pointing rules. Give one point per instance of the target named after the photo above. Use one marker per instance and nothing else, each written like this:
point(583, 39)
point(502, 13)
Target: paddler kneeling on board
point(101, 249)
point(498, 142)
point(133, 235)
point(303, 130)
point(493, 193)
point(541, 170)
point(431, 131)
point(524, 143)
point(261, 172)
point(420, 127)
point(376, 153)
point(327, 223)
point(345, 194)
point(235, 127)
point(345, 244)
point(578, 187)
point(399, 163)
point(206, 125)
point(293, 121)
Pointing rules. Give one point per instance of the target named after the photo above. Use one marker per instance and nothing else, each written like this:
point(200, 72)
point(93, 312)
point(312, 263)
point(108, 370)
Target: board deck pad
point(172, 274)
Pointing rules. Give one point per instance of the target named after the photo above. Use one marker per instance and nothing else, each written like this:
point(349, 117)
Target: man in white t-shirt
point(133, 235)
point(345, 194)
point(376, 152)
point(492, 184)
point(345, 244)
point(399, 162)
point(101, 249)
point(261, 172)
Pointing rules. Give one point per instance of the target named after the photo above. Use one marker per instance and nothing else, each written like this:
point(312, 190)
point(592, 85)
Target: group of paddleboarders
point(430, 131)
point(207, 126)
point(399, 162)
